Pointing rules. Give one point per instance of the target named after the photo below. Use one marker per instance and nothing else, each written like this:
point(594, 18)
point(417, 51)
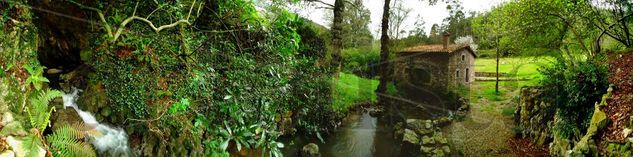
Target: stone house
point(435, 68)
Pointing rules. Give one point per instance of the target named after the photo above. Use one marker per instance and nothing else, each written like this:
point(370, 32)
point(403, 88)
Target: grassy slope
point(351, 90)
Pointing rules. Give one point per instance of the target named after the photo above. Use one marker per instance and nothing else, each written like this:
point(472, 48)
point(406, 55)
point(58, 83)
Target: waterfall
point(110, 140)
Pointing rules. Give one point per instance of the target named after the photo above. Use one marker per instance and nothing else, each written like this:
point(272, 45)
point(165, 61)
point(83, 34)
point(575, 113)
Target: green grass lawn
point(351, 90)
point(523, 67)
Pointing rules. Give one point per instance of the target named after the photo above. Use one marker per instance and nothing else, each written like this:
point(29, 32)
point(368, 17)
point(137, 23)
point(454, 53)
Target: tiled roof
point(433, 48)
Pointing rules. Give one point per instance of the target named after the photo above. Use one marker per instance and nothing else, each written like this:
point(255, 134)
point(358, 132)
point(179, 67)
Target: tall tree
point(399, 13)
point(457, 24)
point(384, 54)
point(435, 34)
point(613, 18)
point(337, 28)
point(355, 24)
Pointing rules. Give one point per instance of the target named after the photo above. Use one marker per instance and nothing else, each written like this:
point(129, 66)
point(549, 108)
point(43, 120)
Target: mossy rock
point(446, 149)
point(598, 121)
point(426, 150)
point(426, 140)
point(438, 153)
point(310, 150)
point(93, 98)
point(410, 137)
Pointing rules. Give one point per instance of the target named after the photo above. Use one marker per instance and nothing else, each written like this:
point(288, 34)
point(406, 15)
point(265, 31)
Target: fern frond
point(66, 141)
point(32, 145)
point(45, 121)
point(39, 112)
point(81, 149)
point(48, 95)
point(68, 131)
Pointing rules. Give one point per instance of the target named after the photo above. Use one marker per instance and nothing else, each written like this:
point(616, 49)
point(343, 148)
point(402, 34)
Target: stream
point(108, 140)
point(359, 134)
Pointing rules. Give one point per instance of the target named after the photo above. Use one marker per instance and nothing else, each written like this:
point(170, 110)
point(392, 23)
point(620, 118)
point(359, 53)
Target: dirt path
point(484, 131)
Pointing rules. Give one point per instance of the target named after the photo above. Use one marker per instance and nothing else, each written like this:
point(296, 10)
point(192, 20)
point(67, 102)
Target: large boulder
point(598, 121)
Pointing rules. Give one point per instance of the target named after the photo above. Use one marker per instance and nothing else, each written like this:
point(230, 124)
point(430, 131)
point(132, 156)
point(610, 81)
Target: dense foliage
point(224, 84)
point(575, 90)
point(225, 77)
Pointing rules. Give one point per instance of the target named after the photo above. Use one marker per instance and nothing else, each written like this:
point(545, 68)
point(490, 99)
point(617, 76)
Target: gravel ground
point(484, 131)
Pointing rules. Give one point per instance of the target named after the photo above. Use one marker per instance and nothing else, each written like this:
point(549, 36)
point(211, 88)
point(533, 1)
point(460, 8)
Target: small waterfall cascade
point(110, 140)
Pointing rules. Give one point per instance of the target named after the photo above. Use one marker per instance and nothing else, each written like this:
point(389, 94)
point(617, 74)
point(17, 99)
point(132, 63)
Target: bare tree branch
point(99, 12)
point(321, 2)
point(116, 35)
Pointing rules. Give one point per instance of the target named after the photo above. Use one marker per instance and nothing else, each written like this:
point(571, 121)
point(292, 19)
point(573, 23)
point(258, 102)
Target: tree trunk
point(337, 41)
point(384, 54)
point(497, 80)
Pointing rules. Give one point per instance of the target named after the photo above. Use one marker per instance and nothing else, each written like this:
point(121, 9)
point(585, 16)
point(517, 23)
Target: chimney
point(447, 37)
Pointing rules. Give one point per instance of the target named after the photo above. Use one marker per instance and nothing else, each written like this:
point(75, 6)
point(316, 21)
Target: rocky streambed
point(370, 132)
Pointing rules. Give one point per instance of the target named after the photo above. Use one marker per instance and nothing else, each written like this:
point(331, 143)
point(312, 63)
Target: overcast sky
point(431, 14)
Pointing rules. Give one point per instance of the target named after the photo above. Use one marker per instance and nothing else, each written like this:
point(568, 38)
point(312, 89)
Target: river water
point(360, 135)
point(109, 140)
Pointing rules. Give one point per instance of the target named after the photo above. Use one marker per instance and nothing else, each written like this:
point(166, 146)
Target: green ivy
point(179, 106)
point(236, 76)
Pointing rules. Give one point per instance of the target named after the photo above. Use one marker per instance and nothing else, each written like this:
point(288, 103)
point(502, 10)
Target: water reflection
point(359, 135)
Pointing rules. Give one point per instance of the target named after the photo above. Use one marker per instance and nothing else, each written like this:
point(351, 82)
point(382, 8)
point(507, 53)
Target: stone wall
point(436, 64)
point(534, 116)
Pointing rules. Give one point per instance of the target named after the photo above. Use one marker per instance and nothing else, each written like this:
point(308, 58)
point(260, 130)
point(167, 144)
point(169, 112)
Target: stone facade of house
point(435, 68)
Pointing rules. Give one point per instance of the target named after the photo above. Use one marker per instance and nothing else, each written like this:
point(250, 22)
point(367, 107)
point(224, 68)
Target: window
point(463, 57)
point(467, 74)
point(457, 74)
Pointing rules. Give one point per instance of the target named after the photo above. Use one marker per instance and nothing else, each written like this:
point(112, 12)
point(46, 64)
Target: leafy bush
point(574, 89)
point(362, 62)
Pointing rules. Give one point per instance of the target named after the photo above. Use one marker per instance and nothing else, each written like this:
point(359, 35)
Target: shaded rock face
point(62, 33)
point(535, 116)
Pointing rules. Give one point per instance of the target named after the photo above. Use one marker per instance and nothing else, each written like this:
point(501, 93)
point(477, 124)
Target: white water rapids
point(112, 141)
